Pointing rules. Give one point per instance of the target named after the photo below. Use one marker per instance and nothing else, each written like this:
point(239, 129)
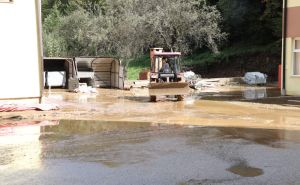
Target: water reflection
point(242, 93)
point(253, 93)
point(20, 146)
point(109, 143)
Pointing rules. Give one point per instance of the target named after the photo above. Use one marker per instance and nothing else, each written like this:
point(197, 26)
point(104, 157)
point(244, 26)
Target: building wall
point(293, 3)
point(293, 32)
point(20, 51)
point(292, 82)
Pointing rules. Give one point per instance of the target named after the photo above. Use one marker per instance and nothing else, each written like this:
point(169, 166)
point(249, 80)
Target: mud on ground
point(230, 106)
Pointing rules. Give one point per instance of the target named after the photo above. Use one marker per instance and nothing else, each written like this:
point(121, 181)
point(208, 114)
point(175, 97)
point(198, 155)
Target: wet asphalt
point(112, 153)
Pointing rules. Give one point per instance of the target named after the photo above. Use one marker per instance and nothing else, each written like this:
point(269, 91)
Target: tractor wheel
point(180, 97)
point(152, 98)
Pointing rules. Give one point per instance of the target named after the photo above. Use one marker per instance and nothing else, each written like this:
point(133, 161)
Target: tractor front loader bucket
point(171, 88)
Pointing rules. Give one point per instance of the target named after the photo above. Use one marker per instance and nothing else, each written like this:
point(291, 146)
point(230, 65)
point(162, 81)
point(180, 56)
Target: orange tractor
point(166, 77)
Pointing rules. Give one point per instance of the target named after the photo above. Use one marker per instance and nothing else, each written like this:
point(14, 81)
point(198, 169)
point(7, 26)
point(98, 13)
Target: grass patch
point(136, 66)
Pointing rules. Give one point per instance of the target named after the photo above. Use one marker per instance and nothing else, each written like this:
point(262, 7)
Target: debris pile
point(196, 82)
point(83, 88)
point(207, 83)
point(191, 78)
point(255, 78)
point(24, 107)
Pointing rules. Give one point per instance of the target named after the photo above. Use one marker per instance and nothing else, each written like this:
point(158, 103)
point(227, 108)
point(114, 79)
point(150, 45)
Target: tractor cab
point(165, 66)
point(166, 77)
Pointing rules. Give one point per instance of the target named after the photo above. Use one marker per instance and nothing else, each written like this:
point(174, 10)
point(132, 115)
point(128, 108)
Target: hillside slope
point(230, 62)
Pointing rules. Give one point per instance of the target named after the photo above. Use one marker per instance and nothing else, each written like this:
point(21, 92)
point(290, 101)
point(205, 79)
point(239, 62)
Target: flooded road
point(225, 108)
point(98, 152)
point(236, 135)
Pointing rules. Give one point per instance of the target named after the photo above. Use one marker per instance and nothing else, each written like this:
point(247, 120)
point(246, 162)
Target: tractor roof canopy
point(168, 54)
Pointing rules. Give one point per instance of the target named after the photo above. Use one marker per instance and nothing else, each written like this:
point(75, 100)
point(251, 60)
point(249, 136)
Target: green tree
point(128, 28)
point(172, 24)
point(53, 43)
point(241, 18)
point(272, 17)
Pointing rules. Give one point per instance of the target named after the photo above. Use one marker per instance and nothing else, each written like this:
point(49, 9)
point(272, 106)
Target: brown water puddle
point(245, 170)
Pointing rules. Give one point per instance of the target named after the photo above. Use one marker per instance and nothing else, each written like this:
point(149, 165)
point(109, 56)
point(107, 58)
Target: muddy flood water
point(228, 107)
point(110, 153)
point(225, 136)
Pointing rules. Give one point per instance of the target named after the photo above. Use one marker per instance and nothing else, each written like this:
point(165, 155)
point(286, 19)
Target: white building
point(20, 50)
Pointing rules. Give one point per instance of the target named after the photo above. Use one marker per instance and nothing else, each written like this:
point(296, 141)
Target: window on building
point(296, 57)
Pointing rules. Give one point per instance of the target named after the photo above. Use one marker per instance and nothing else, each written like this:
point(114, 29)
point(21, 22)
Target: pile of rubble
point(251, 78)
point(196, 82)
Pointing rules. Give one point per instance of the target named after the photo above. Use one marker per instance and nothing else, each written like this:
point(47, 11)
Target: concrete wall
point(20, 51)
